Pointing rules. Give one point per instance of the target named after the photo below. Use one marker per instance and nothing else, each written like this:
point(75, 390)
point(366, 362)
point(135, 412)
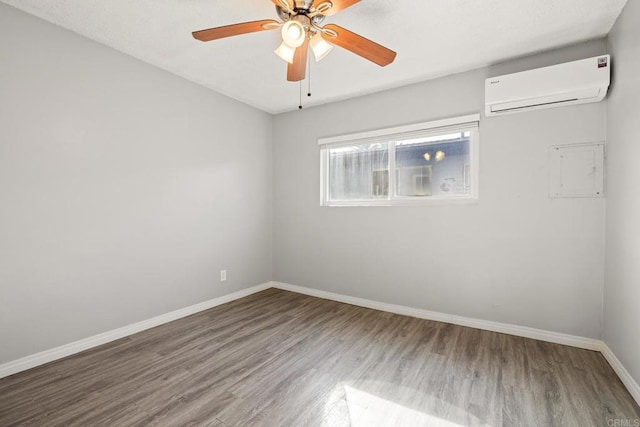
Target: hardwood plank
point(278, 358)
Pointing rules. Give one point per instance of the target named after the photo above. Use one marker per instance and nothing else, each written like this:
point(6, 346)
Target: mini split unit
point(572, 83)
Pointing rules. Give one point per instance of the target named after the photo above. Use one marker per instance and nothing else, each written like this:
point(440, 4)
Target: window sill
point(431, 201)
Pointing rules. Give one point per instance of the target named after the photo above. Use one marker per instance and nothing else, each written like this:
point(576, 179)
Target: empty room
point(319, 213)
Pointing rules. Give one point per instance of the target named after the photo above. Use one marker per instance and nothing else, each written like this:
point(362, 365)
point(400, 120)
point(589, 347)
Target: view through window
point(402, 166)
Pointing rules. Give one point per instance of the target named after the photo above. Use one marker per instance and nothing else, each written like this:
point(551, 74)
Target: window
point(415, 164)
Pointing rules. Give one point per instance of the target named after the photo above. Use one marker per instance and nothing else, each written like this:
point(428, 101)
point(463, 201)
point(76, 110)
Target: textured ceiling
point(432, 38)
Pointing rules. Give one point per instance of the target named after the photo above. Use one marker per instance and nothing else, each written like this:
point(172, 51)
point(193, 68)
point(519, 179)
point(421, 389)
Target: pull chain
point(309, 68)
point(308, 82)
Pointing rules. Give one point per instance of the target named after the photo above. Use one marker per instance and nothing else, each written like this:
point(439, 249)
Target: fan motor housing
point(303, 4)
point(286, 16)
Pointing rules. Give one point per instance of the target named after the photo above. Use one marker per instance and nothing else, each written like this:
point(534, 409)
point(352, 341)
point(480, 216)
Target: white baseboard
point(56, 353)
point(521, 331)
point(622, 372)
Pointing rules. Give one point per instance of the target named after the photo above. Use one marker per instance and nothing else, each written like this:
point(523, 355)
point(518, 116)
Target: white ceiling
point(432, 38)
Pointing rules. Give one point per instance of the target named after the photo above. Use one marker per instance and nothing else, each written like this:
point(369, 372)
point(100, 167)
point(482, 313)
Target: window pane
point(433, 166)
point(359, 172)
point(417, 164)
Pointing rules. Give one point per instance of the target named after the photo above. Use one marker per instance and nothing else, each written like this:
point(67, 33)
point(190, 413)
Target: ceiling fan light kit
point(319, 47)
point(285, 52)
point(293, 33)
point(300, 30)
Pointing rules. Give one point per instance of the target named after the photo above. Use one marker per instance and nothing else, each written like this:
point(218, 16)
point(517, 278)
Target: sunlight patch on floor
point(365, 409)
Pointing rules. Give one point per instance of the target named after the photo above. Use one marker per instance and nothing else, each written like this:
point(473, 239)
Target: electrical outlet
point(223, 275)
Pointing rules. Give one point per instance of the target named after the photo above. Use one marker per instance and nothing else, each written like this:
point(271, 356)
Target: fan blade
point(298, 70)
point(338, 5)
point(282, 4)
point(359, 45)
point(235, 29)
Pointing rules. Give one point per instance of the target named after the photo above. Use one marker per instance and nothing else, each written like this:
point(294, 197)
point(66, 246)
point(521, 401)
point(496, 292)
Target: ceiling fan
point(300, 29)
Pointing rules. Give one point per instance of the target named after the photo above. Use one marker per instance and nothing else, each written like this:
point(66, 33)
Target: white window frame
point(390, 136)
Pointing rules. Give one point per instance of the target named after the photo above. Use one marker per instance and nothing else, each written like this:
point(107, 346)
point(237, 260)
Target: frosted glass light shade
point(319, 47)
point(293, 33)
point(285, 52)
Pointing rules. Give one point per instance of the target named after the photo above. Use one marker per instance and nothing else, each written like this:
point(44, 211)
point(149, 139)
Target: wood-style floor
point(278, 358)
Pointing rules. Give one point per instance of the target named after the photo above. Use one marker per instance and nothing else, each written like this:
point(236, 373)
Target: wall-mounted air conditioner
point(572, 83)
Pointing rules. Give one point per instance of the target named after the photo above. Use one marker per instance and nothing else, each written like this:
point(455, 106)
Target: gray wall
point(123, 189)
point(516, 256)
point(622, 284)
